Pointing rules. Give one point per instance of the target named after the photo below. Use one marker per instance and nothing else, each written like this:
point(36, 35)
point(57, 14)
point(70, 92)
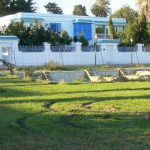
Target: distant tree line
point(137, 29)
point(13, 6)
point(100, 7)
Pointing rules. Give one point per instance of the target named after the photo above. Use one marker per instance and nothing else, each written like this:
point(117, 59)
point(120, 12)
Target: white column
point(46, 46)
point(1, 56)
point(78, 46)
point(15, 52)
point(139, 47)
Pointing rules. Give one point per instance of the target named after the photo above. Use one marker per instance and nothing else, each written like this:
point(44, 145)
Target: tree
point(144, 5)
point(17, 29)
point(22, 6)
point(36, 35)
point(83, 40)
point(13, 6)
point(75, 39)
point(79, 10)
point(53, 8)
point(65, 39)
point(125, 12)
point(137, 31)
point(101, 8)
point(111, 29)
point(4, 7)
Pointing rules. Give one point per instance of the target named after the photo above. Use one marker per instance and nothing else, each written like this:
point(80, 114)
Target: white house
point(74, 25)
point(109, 52)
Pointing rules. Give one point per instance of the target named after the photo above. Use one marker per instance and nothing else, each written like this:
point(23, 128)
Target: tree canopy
point(37, 34)
point(111, 29)
point(79, 10)
point(13, 6)
point(83, 40)
point(137, 31)
point(125, 12)
point(53, 8)
point(101, 8)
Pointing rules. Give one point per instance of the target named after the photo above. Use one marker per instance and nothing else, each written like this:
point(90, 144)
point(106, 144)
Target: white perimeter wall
point(108, 55)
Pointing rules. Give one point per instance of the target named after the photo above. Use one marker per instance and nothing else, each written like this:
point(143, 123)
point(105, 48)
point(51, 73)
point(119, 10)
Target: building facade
point(74, 25)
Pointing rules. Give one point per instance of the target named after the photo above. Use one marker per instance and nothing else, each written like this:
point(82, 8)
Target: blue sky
point(67, 5)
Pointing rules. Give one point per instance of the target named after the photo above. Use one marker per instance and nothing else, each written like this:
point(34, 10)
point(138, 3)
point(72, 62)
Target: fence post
point(109, 53)
point(78, 46)
point(46, 46)
point(14, 53)
point(139, 47)
point(131, 58)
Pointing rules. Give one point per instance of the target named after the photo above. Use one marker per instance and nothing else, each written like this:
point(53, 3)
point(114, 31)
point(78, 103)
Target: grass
point(112, 116)
point(57, 67)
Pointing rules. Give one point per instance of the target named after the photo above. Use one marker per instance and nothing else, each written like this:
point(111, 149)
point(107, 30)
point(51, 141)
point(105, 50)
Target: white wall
point(9, 45)
point(108, 55)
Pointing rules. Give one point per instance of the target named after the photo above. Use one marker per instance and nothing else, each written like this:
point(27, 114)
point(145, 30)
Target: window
point(56, 27)
point(99, 29)
point(119, 29)
point(29, 23)
point(83, 28)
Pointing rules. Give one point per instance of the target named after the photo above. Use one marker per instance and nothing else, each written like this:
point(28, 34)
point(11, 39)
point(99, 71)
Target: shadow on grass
point(6, 92)
point(70, 131)
point(103, 90)
point(74, 99)
point(42, 129)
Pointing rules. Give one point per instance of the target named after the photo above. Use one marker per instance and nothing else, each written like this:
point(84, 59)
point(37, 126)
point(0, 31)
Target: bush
point(83, 40)
point(52, 66)
point(75, 39)
point(29, 71)
point(65, 39)
point(36, 35)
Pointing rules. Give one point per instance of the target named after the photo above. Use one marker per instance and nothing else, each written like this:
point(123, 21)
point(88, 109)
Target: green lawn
point(112, 116)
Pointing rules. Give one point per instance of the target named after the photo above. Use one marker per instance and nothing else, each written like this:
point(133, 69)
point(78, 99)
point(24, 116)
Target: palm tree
point(139, 1)
point(144, 6)
point(101, 8)
point(143, 2)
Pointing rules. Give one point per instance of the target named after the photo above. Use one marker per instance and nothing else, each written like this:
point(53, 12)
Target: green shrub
point(83, 40)
point(29, 71)
point(51, 66)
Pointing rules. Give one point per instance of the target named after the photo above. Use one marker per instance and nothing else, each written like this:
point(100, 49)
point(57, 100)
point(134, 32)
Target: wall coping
point(9, 38)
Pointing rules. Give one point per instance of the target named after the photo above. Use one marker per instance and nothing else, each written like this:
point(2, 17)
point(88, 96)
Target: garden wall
point(108, 55)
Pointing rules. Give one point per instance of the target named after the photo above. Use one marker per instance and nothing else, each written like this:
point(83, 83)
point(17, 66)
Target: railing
point(146, 49)
point(63, 48)
point(107, 36)
point(102, 36)
point(91, 48)
point(126, 49)
point(31, 48)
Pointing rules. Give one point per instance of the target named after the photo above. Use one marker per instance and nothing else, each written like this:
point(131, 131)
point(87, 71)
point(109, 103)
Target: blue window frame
point(83, 28)
point(56, 27)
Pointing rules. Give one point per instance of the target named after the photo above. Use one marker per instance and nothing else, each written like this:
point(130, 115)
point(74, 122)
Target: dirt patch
point(87, 105)
point(21, 122)
point(67, 121)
